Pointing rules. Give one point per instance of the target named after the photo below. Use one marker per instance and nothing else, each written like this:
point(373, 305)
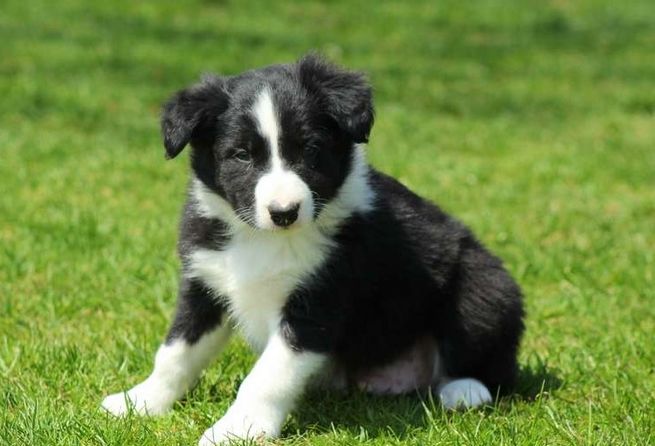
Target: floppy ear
point(191, 115)
point(346, 96)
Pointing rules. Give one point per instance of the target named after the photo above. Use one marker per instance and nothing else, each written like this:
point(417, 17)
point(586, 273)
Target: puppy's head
point(275, 143)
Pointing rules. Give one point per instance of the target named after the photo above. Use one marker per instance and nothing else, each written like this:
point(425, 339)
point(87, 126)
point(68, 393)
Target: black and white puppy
point(334, 272)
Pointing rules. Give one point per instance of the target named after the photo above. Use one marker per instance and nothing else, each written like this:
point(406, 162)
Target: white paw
point(243, 423)
point(144, 399)
point(464, 394)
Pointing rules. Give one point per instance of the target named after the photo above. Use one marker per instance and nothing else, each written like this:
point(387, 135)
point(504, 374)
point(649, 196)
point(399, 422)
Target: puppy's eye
point(311, 155)
point(241, 155)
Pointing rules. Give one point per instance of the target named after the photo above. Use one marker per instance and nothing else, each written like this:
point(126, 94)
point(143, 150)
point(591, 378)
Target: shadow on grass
point(359, 413)
point(536, 380)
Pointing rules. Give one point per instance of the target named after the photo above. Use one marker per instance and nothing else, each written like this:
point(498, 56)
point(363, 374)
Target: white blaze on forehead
point(280, 186)
point(268, 125)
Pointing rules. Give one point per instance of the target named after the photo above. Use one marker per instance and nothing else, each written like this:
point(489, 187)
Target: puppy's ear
point(345, 96)
point(191, 115)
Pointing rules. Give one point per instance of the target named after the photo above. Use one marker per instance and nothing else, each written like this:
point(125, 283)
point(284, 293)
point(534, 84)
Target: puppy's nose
point(283, 216)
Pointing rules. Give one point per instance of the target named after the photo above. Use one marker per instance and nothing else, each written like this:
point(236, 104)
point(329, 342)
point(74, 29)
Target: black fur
point(400, 272)
point(198, 311)
point(190, 114)
point(198, 308)
point(404, 271)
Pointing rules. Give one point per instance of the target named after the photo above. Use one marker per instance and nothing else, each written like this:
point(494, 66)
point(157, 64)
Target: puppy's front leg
point(198, 333)
point(268, 393)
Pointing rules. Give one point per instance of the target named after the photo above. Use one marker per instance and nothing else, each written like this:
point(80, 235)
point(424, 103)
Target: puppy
point(335, 273)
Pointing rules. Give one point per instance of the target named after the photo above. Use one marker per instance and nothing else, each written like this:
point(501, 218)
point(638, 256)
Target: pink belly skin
point(414, 371)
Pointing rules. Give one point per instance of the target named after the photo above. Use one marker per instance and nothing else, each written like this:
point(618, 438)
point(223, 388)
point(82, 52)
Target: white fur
point(257, 271)
point(355, 194)
point(267, 395)
point(463, 393)
point(211, 205)
point(177, 367)
point(267, 124)
point(280, 186)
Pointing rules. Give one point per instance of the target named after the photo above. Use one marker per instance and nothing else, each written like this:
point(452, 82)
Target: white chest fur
point(256, 272)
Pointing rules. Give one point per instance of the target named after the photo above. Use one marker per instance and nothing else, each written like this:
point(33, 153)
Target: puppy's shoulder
point(199, 231)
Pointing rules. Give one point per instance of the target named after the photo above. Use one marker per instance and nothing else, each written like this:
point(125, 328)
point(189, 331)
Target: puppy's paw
point(144, 399)
point(464, 394)
point(242, 423)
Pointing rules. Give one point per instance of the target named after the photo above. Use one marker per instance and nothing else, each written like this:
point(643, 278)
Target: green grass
point(532, 121)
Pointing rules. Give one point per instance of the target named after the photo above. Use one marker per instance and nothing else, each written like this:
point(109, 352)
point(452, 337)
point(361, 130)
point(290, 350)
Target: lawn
point(532, 121)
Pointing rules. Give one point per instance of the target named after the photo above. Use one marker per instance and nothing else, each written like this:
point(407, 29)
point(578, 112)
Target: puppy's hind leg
point(197, 334)
point(480, 332)
point(458, 393)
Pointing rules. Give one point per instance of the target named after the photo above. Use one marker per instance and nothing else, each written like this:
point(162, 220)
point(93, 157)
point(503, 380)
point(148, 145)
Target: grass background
point(533, 121)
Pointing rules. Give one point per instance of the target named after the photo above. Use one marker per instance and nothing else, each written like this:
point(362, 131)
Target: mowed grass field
point(532, 121)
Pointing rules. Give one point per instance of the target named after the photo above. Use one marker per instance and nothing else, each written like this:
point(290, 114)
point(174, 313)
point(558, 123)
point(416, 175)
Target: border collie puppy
point(334, 272)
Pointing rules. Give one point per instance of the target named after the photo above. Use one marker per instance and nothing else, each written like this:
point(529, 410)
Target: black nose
point(284, 215)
